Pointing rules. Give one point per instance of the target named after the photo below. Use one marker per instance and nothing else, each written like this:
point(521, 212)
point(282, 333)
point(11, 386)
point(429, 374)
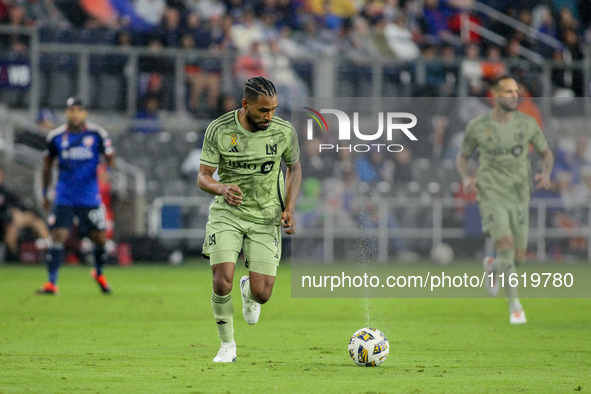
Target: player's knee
point(505, 243)
point(262, 295)
point(222, 288)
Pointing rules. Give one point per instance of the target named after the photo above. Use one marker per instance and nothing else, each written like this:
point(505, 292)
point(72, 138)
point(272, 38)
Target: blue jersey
point(78, 156)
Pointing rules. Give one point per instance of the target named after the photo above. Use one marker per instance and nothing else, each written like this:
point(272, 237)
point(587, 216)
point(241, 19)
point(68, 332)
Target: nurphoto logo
point(344, 129)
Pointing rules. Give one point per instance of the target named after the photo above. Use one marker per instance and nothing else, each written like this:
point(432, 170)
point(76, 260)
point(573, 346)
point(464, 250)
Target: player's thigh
point(90, 220)
point(262, 249)
point(520, 225)
point(224, 237)
point(495, 221)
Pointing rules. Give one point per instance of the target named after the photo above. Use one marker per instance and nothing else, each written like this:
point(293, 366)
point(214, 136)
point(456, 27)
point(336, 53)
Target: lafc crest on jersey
point(234, 144)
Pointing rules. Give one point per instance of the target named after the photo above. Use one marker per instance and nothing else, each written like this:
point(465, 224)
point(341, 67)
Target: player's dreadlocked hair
point(258, 86)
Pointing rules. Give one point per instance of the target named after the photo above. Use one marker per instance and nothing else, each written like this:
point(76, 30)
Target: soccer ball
point(369, 347)
point(442, 254)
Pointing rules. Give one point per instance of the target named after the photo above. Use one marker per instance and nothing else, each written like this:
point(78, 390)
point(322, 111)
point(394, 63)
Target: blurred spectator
point(249, 64)
point(248, 31)
point(583, 188)
point(528, 106)
point(268, 25)
point(400, 39)
point(200, 77)
point(153, 69)
point(448, 56)
point(3, 11)
point(285, 79)
point(471, 69)
point(287, 44)
point(317, 165)
point(493, 66)
point(317, 41)
point(435, 23)
point(575, 51)
point(147, 119)
point(374, 167)
point(402, 166)
point(543, 22)
point(221, 33)
point(170, 28)
point(434, 69)
point(566, 21)
point(207, 9)
point(329, 19)
point(16, 216)
point(199, 31)
point(579, 160)
point(151, 11)
point(379, 39)
point(226, 103)
point(101, 11)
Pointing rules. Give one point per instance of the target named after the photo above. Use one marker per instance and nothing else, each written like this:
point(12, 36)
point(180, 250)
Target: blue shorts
point(88, 218)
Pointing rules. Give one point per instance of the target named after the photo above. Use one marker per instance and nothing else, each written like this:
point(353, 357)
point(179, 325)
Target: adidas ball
point(369, 347)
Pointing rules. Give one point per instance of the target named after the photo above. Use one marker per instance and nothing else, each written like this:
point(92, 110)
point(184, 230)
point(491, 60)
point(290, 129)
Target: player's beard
point(508, 106)
point(256, 126)
point(75, 126)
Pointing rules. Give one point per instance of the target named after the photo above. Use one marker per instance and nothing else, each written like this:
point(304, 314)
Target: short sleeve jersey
point(504, 173)
point(78, 156)
point(253, 162)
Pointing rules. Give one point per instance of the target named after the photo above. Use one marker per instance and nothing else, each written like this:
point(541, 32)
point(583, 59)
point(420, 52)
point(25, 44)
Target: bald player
point(504, 182)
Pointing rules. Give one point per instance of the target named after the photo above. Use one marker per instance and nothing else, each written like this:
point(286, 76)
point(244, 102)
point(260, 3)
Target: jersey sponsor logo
point(65, 143)
point(517, 150)
point(77, 153)
point(234, 149)
point(88, 140)
point(267, 167)
point(518, 135)
point(246, 166)
point(271, 149)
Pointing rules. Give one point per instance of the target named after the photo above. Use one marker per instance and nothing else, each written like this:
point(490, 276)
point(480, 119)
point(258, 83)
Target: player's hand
point(288, 222)
point(46, 204)
point(232, 194)
point(543, 181)
point(470, 186)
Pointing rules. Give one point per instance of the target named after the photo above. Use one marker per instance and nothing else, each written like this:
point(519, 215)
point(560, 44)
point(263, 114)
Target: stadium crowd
point(268, 35)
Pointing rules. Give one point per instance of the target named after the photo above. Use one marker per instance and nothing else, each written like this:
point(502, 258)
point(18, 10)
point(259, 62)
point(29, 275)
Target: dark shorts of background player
point(227, 235)
point(89, 218)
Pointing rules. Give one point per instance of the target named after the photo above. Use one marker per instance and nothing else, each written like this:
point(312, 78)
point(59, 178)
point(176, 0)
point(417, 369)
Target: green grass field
point(155, 333)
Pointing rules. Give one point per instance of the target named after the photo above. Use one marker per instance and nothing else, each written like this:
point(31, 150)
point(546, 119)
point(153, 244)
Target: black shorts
point(89, 218)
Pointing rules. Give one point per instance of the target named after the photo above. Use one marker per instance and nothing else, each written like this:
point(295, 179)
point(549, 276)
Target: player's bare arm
point(469, 182)
point(231, 193)
point(293, 180)
point(46, 181)
point(110, 160)
point(543, 178)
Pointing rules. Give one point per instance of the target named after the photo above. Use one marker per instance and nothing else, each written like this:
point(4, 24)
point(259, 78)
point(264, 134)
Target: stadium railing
point(326, 76)
point(328, 232)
